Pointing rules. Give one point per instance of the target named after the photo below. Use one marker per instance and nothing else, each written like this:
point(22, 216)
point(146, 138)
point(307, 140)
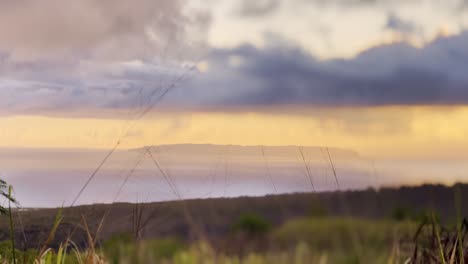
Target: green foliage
point(124, 247)
point(252, 224)
point(402, 213)
point(343, 235)
point(6, 251)
point(165, 248)
point(23, 257)
point(5, 193)
point(317, 210)
point(300, 241)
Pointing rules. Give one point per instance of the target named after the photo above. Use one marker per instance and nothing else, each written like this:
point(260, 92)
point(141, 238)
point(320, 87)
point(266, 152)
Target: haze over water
point(53, 177)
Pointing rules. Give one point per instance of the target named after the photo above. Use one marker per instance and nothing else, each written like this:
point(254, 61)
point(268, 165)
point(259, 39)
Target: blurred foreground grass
point(308, 240)
point(251, 241)
point(407, 225)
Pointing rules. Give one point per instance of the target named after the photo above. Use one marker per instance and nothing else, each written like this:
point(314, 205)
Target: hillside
point(213, 218)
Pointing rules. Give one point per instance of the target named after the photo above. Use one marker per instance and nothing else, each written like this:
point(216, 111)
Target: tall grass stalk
point(439, 243)
point(12, 228)
point(457, 197)
point(355, 240)
point(50, 238)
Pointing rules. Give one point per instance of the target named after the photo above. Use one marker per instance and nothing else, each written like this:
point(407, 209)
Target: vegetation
point(6, 194)
point(305, 240)
point(241, 230)
point(252, 225)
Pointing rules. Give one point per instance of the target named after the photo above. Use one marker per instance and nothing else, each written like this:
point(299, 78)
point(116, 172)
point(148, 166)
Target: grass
point(332, 235)
point(318, 235)
point(306, 240)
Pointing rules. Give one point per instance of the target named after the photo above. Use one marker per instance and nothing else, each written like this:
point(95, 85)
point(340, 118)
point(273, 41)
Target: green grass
point(308, 240)
point(245, 235)
point(298, 241)
point(347, 239)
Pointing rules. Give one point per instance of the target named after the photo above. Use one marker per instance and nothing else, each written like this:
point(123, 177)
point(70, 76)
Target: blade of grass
point(61, 255)
point(439, 244)
point(50, 238)
point(459, 223)
point(90, 239)
point(49, 257)
point(453, 254)
point(12, 228)
point(76, 251)
point(306, 165)
point(333, 169)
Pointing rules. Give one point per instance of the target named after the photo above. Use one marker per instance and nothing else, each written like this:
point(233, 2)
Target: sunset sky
point(386, 78)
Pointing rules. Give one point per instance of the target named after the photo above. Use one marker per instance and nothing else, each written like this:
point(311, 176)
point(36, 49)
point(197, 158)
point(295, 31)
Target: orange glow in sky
point(384, 131)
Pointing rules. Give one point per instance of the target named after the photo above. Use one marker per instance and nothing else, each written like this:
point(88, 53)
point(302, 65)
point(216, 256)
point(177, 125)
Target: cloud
point(250, 8)
point(358, 3)
point(397, 24)
point(242, 78)
point(395, 74)
point(455, 5)
point(105, 29)
point(59, 58)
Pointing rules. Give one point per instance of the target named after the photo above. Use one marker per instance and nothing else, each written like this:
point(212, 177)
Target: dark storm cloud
point(396, 74)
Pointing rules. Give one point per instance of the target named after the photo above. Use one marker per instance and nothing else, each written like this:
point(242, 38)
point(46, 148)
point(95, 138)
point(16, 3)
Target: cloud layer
point(394, 74)
point(104, 58)
point(249, 78)
point(258, 8)
point(60, 57)
point(92, 29)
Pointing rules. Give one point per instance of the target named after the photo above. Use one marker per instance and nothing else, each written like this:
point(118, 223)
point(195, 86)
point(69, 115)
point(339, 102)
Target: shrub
point(252, 224)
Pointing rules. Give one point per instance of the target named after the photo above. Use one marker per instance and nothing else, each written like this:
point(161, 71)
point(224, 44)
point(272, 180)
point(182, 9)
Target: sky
point(386, 78)
point(196, 171)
